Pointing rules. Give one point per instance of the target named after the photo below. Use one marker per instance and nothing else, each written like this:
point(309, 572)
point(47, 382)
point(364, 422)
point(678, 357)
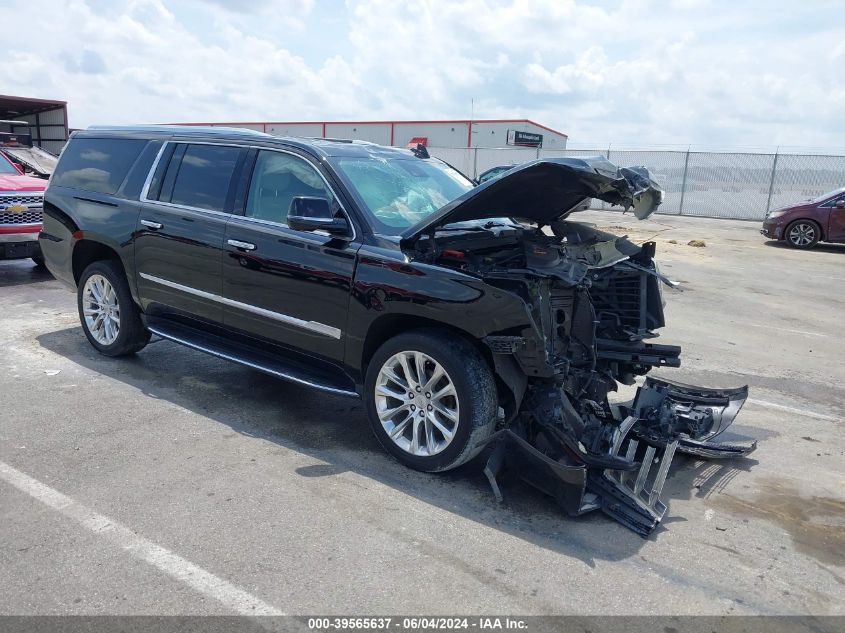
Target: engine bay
point(595, 302)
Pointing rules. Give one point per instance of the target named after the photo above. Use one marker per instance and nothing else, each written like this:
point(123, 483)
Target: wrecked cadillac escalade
point(469, 319)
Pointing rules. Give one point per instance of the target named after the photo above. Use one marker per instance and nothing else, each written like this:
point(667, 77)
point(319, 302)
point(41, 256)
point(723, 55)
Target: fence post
point(772, 180)
point(475, 162)
point(684, 184)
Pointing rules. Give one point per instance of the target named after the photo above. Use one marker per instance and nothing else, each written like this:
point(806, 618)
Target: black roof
point(320, 147)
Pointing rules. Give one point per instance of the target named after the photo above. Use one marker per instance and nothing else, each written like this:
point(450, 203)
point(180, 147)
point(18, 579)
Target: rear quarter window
point(96, 164)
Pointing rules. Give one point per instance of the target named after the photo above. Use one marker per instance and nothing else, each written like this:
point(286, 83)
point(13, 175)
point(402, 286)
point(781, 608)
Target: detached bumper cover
point(664, 418)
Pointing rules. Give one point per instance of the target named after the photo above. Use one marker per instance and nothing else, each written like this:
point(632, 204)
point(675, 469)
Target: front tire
point(802, 234)
point(431, 399)
point(110, 318)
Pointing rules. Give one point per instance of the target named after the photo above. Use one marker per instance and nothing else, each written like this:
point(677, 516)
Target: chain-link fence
point(711, 184)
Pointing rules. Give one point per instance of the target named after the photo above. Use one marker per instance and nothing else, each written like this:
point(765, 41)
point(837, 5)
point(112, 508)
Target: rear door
point(291, 287)
point(181, 228)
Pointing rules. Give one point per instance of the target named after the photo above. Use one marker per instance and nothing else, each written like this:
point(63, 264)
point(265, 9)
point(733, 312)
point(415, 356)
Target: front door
point(181, 228)
point(836, 224)
point(290, 287)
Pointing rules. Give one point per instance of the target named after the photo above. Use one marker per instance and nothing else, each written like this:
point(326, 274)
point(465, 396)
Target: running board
point(286, 369)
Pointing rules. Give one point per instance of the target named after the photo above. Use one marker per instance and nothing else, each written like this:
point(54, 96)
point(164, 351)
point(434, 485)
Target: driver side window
point(276, 180)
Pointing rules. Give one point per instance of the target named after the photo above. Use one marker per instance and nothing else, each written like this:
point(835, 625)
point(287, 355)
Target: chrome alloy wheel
point(802, 234)
point(101, 310)
point(417, 403)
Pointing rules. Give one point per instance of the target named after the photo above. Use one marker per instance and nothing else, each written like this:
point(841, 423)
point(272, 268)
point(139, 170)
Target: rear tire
point(110, 317)
point(802, 234)
point(450, 410)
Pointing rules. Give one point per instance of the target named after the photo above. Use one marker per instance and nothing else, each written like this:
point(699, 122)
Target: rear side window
point(203, 176)
point(96, 164)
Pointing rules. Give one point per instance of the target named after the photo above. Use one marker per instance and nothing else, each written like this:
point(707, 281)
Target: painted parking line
point(784, 329)
point(802, 412)
point(173, 565)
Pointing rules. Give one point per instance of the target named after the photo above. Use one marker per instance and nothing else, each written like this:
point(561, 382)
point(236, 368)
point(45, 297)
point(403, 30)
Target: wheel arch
point(390, 325)
point(88, 251)
point(387, 326)
point(813, 221)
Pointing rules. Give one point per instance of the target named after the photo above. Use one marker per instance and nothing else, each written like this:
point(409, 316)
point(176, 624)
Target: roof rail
point(179, 129)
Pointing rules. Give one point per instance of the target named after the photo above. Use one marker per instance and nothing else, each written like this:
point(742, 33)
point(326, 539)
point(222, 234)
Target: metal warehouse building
point(459, 133)
point(47, 118)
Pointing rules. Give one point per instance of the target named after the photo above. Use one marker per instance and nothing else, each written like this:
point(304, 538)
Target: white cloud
point(636, 71)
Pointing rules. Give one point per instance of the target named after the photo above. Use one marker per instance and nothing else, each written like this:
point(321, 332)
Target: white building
point(464, 133)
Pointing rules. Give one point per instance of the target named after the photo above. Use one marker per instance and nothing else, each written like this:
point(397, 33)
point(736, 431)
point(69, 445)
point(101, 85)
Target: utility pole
point(471, 117)
point(684, 182)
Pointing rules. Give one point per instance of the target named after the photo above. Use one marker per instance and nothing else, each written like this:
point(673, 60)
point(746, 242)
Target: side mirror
point(839, 204)
point(315, 214)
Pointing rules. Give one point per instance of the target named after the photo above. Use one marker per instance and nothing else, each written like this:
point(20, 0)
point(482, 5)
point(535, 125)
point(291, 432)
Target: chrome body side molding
point(311, 326)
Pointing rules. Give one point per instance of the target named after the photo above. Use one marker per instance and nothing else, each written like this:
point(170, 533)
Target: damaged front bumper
point(626, 481)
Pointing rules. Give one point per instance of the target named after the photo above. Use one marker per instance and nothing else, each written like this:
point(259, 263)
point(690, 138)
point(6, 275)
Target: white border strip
point(173, 565)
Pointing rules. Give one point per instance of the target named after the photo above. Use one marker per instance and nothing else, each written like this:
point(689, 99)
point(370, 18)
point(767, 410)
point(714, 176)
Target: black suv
point(465, 317)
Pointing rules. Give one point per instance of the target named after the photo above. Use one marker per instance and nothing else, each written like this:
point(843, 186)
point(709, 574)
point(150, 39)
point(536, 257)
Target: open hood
point(543, 191)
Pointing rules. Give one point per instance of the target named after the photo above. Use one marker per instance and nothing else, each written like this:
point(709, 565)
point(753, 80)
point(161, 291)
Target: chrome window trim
point(185, 207)
point(148, 181)
point(242, 361)
point(312, 326)
point(146, 188)
point(303, 236)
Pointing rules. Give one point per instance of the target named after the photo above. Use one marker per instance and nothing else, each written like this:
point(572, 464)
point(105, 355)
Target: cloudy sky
point(705, 72)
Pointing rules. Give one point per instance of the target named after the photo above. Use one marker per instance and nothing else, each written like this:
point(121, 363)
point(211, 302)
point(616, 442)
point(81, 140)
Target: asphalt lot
point(190, 485)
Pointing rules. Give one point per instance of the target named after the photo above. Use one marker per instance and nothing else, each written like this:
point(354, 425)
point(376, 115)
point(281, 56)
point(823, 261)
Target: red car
point(21, 205)
point(804, 224)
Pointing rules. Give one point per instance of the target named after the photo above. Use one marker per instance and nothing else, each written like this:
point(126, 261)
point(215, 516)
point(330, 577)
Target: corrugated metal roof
point(11, 105)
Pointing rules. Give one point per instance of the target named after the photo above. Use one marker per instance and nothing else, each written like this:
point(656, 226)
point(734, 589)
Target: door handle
point(155, 226)
point(246, 246)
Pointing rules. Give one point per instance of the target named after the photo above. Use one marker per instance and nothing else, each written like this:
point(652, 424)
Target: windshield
point(400, 192)
point(6, 167)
